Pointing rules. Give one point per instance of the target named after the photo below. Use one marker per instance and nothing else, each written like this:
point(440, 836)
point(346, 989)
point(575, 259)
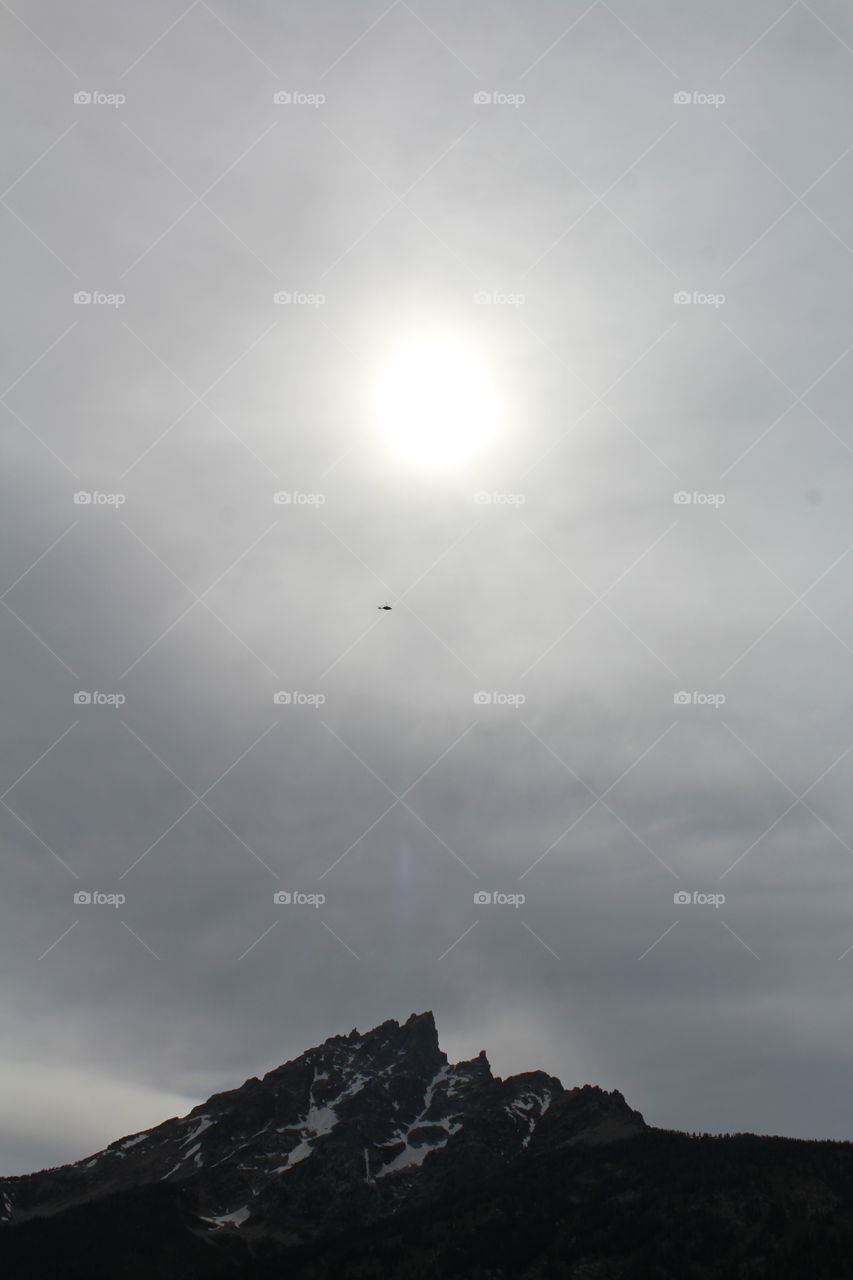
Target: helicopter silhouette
point(383, 606)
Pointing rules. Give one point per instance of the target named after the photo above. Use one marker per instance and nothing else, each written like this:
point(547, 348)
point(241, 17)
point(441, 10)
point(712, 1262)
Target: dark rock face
point(347, 1133)
point(371, 1156)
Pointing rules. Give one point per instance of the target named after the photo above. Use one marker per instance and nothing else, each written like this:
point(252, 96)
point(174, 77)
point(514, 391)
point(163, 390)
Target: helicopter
point(386, 605)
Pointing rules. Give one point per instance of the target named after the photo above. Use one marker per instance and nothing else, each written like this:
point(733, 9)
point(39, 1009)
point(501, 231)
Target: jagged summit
point(370, 1155)
point(351, 1131)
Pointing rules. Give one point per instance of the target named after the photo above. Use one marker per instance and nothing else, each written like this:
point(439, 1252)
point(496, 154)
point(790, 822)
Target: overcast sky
point(626, 154)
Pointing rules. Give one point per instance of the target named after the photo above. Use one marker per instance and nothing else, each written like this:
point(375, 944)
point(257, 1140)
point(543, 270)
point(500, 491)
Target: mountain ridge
point(371, 1155)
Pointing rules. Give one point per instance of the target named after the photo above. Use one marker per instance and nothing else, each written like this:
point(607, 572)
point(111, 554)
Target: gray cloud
point(589, 591)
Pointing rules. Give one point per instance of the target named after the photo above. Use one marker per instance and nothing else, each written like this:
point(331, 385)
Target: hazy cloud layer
point(645, 230)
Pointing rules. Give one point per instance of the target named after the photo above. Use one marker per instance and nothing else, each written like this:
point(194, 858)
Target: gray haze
point(386, 192)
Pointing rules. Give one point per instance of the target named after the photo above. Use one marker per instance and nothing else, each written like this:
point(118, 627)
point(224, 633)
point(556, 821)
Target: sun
point(436, 403)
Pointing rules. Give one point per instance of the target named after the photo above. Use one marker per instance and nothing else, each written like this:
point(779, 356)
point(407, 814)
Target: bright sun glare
point(436, 403)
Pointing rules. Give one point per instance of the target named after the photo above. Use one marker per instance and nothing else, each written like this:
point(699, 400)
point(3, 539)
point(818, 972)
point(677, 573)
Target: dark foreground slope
point(372, 1157)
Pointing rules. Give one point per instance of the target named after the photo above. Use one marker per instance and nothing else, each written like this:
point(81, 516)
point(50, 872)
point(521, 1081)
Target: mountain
point(372, 1156)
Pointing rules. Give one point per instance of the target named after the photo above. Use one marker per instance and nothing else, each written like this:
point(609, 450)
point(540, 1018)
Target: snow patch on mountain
point(234, 1219)
point(530, 1107)
point(204, 1122)
point(132, 1142)
point(414, 1153)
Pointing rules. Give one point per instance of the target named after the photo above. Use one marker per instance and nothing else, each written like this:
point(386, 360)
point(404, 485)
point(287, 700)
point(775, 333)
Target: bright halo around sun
point(436, 402)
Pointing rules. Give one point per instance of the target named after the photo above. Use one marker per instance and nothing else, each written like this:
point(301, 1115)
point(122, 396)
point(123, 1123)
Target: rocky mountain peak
point(351, 1131)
